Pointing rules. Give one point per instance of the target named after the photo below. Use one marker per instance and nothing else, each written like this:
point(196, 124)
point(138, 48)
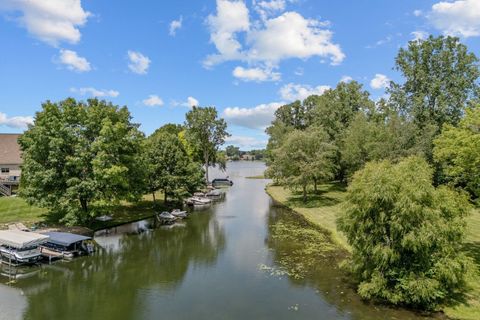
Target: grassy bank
point(324, 207)
point(15, 209)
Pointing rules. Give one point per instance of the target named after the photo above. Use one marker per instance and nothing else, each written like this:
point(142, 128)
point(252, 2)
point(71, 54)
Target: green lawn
point(15, 209)
point(324, 207)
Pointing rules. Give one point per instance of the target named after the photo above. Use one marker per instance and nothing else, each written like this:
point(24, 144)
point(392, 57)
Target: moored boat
point(220, 182)
point(166, 217)
point(198, 201)
point(179, 214)
point(65, 245)
point(20, 247)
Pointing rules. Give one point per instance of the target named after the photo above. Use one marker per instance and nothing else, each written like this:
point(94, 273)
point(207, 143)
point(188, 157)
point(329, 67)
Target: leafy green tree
point(457, 151)
point(440, 79)
point(206, 133)
point(80, 157)
point(232, 151)
point(406, 235)
point(380, 136)
point(336, 108)
point(305, 158)
point(169, 167)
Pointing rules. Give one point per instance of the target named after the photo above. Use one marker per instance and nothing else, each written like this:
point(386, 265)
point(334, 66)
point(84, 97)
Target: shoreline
point(322, 214)
point(310, 214)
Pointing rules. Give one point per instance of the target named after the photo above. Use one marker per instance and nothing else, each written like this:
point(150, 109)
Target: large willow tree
point(80, 157)
point(406, 235)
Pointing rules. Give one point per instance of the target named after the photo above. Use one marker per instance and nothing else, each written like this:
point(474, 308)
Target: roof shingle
point(10, 149)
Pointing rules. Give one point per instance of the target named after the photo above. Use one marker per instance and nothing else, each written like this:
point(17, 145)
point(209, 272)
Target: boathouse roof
point(64, 238)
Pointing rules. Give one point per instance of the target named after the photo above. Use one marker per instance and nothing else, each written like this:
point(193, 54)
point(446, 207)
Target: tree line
point(82, 158)
point(412, 164)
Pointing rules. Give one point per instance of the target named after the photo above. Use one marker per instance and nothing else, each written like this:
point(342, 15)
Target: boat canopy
point(21, 239)
point(65, 239)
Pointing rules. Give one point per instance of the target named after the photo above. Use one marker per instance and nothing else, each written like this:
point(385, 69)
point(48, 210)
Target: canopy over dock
point(65, 239)
point(21, 239)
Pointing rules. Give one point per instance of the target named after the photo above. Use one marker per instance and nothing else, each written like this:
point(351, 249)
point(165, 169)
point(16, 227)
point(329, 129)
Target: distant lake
point(225, 262)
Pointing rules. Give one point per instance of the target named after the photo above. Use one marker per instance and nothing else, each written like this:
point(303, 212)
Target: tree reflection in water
point(109, 285)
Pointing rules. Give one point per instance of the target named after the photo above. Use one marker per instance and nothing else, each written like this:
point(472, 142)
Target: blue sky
point(244, 57)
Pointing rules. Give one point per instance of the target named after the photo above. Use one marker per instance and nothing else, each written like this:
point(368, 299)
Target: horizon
point(246, 58)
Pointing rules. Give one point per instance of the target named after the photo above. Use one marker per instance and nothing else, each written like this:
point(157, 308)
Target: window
point(5, 170)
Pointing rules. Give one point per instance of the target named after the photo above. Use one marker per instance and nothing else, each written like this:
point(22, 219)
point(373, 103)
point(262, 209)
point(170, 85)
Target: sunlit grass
point(322, 208)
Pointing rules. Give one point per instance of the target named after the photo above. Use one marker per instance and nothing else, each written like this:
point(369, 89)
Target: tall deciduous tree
point(206, 133)
point(440, 79)
point(305, 158)
point(457, 151)
point(169, 167)
point(79, 157)
point(406, 234)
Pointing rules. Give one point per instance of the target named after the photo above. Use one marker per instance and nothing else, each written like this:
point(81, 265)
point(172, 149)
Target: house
point(10, 162)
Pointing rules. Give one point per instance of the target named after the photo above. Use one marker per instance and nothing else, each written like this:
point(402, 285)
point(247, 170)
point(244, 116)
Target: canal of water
point(243, 258)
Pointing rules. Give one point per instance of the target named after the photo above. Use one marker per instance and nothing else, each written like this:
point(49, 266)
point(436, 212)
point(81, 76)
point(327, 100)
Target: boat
point(166, 218)
point(65, 245)
point(215, 194)
point(21, 247)
point(179, 214)
point(222, 182)
point(198, 201)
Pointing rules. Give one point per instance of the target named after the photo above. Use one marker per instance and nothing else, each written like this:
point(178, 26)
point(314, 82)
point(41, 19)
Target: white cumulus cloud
point(293, 92)
point(379, 81)
point(51, 21)
point(346, 79)
point(153, 101)
point(89, 91)
point(190, 103)
point(246, 142)
point(457, 18)
point(258, 117)
point(419, 35)
point(18, 122)
point(269, 41)
point(175, 25)
point(73, 61)
point(255, 74)
point(139, 63)
point(268, 8)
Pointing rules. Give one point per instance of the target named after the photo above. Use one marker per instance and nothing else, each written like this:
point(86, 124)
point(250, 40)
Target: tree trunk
point(84, 205)
point(315, 185)
point(205, 155)
point(165, 196)
point(154, 199)
point(304, 193)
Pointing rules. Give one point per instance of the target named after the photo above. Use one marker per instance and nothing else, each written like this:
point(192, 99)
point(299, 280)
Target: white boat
point(215, 194)
point(198, 201)
point(166, 217)
point(179, 214)
point(21, 247)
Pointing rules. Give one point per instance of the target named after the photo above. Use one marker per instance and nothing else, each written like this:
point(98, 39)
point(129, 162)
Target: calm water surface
point(222, 263)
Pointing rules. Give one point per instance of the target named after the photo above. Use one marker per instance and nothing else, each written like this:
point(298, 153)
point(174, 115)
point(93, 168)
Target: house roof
point(9, 149)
